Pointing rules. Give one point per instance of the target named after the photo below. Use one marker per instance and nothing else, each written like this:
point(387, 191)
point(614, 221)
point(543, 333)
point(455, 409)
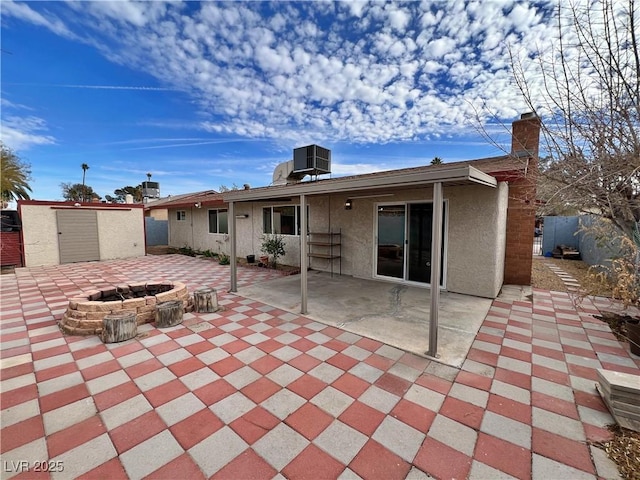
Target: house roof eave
point(454, 174)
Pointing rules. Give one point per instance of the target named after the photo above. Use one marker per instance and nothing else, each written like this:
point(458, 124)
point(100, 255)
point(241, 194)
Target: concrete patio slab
point(394, 314)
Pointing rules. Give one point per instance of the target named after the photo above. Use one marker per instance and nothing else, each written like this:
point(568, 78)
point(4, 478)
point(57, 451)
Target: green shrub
point(273, 245)
point(223, 259)
point(186, 250)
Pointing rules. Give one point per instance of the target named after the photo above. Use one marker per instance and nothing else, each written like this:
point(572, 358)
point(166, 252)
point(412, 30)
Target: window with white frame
point(181, 215)
point(218, 221)
point(283, 220)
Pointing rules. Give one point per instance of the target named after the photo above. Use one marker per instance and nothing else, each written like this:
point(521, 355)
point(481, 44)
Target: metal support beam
point(436, 268)
point(232, 254)
point(303, 254)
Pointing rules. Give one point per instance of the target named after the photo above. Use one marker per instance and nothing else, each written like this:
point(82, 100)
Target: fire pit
point(84, 314)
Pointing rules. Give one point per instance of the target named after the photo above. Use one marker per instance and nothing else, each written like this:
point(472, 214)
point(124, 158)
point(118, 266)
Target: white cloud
point(6, 103)
point(22, 11)
point(440, 47)
point(522, 17)
point(277, 60)
point(21, 133)
point(398, 18)
point(292, 70)
point(134, 12)
point(356, 7)
point(340, 169)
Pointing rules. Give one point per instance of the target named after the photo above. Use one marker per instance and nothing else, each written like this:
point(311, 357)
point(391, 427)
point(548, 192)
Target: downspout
point(436, 267)
point(193, 239)
point(303, 254)
point(232, 253)
point(23, 255)
point(144, 230)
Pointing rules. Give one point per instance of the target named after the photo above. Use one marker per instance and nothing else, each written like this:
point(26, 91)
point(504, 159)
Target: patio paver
point(253, 390)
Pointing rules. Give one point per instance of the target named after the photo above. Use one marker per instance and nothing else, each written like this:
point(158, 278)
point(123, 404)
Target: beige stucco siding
point(180, 234)
point(474, 237)
point(475, 234)
point(40, 235)
point(121, 233)
point(250, 233)
point(193, 231)
point(159, 213)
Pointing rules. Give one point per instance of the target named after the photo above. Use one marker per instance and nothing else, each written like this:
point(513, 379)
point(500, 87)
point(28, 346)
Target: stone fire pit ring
point(85, 313)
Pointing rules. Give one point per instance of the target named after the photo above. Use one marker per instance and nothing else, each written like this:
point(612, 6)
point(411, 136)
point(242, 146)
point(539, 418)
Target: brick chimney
point(521, 212)
point(525, 136)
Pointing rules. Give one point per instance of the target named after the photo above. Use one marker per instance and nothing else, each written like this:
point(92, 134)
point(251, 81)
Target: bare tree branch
point(586, 90)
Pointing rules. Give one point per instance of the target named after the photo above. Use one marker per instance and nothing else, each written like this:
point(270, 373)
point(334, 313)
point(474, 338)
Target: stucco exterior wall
point(40, 235)
point(120, 233)
point(250, 233)
point(474, 236)
point(193, 231)
point(476, 246)
point(159, 213)
point(180, 234)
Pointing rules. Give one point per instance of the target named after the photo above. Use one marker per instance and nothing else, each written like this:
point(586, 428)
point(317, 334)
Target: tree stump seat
point(205, 300)
point(118, 327)
point(169, 314)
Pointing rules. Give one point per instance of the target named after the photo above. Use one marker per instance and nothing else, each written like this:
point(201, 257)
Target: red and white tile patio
point(256, 392)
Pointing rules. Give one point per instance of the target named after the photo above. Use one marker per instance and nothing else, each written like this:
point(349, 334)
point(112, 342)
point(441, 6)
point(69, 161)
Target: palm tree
point(436, 161)
point(14, 176)
point(85, 167)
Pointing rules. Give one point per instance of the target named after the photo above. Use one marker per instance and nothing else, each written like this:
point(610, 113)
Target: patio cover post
point(436, 267)
point(232, 254)
point(303, 254)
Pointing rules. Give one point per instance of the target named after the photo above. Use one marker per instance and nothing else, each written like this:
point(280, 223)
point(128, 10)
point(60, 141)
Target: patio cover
point(435, 176)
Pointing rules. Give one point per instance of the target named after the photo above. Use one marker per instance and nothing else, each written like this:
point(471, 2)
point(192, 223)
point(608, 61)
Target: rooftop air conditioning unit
point(312, 160)
point(151, 189)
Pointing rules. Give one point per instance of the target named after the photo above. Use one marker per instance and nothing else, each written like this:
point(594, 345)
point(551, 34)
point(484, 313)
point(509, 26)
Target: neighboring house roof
point(206, 198)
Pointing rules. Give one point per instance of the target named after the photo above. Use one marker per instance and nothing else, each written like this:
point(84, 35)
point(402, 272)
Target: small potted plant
point(273, 246)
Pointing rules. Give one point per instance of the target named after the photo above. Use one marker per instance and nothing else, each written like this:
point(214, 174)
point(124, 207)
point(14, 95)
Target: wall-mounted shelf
point(326, 245)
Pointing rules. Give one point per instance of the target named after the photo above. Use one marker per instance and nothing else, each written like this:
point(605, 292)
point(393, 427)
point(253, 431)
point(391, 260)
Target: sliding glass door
point(391, 240)
point(404, 242)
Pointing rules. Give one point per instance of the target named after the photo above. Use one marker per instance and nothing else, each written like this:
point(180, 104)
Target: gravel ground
point(543, 277)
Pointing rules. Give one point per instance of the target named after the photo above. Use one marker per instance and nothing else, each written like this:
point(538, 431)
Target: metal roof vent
point(312, 160)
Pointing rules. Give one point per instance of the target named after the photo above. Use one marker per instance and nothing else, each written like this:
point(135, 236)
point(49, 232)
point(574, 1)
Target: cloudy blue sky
point(216, 93)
